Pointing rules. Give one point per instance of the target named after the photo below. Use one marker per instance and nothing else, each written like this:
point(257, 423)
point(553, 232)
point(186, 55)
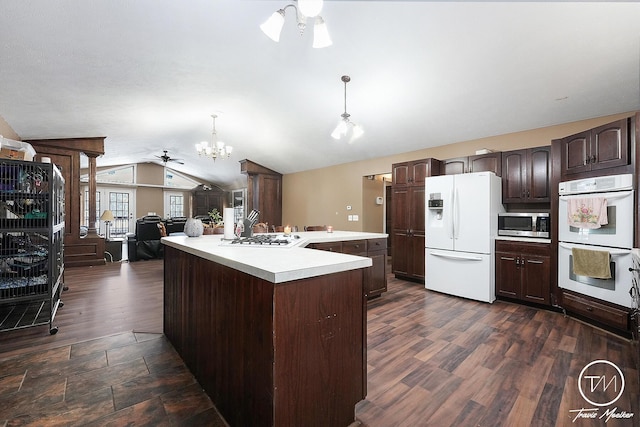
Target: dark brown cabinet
point(408, 232)
point(525, 175)
point(206, 200)
point(414, 172)
point(605, 313)
point(523, 271)
point(407, 216)
point(264, 192)
point(491, 162)
point(604, 147)
point(375, 277)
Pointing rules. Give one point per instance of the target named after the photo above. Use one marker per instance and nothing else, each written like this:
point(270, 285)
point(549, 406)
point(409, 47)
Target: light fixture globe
point(310, 8)
point(272, 27)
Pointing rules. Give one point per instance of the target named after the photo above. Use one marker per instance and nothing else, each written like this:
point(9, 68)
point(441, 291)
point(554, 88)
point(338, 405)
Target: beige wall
point(320, 196)
point(373, 215)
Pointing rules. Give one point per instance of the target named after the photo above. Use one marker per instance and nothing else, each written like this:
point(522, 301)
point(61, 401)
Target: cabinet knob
point(587, 160)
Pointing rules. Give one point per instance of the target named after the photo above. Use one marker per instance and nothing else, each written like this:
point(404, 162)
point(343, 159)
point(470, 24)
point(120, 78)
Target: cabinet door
point(455, 166)
point(610, 146)
point(418, 172)
point(400, 237)
point(575, 152)
point(491, 162)
point(417, 257)
point(538, 175)
point(416, 207)
point(376, 275)
point(535, 279)
point(508, 282)
point(401, 174)
point(513, 176)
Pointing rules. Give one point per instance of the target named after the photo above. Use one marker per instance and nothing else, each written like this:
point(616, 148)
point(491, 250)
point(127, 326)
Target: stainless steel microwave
point(524, 224)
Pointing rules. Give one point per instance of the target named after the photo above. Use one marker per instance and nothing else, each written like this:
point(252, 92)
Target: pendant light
point(346, 126)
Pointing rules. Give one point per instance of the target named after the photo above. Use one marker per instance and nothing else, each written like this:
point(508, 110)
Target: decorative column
point(92, 230)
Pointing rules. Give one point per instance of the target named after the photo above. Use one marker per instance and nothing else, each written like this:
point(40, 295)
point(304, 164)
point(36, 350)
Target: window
point(119, 206)
point(176, 205)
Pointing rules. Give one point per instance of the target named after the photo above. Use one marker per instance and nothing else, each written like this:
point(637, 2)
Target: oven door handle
point(622, 195)
point(612, 252)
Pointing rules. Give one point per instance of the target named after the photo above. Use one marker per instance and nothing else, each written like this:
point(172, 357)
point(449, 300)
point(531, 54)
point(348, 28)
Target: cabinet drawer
point(354, 247)
point(530, 248)
point(329, 246)
point(376, 245)
point(596, 311)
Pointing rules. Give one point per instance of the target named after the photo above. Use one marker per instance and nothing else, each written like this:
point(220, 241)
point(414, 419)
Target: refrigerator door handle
point(456, 215)
point(451, 227)
point(456, 256)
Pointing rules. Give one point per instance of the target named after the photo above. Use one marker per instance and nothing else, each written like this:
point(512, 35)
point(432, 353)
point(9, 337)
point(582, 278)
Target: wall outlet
point(355, 217)
point(349, 217)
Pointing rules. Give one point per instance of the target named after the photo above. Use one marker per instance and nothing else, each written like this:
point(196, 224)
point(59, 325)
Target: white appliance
point(461, 223)
point(615, 237)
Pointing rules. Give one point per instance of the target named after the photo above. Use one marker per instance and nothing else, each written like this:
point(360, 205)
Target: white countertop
point(278, 264)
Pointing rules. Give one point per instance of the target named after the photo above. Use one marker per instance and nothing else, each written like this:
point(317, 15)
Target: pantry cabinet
point(407, 216)
point(523, 271)
point(525, 175)
point(604, 147)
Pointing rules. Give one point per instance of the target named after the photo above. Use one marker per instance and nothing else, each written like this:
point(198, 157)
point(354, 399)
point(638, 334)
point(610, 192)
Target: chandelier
point(214, 148)
point(306, 9)
point(346, 126)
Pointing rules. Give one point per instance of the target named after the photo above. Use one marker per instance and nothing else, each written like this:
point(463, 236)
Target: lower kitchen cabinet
point(375, 277)
point(523, 271)
point(603, 312)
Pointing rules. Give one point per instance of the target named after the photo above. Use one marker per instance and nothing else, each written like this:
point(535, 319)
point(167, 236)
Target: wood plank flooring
point(433, 360)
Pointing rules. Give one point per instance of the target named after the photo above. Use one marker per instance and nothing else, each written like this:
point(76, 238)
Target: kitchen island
point(275, 336)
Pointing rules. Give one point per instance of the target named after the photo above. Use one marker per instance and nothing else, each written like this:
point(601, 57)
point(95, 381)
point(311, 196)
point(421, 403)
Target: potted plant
point(216, 217)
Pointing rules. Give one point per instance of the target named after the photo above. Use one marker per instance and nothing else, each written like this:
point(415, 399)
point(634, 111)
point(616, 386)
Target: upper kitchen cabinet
point(525, 175)
point(414, 172)
point(205, 199)
point(600, 148)
point(264, 191)
point(488, 162)
point(407, 216)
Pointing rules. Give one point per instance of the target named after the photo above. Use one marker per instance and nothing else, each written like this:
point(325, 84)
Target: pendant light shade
point(345, 125)
point(321, 36)
point(272, 27)
point(310, 8)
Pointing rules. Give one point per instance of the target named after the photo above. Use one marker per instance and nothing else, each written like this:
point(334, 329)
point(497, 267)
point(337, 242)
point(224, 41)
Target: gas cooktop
point(264, 240)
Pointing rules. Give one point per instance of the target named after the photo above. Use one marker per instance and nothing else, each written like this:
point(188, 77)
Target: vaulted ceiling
point(148, 74)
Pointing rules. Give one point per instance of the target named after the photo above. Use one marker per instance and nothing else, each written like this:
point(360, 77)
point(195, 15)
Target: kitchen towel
point(591, 263)
point(587, 212)
point(227, 218)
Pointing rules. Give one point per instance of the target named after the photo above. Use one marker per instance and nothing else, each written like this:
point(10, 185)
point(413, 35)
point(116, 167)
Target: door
point(617, 233)
point(614, 290)
point(439, 219)
point(472, 211)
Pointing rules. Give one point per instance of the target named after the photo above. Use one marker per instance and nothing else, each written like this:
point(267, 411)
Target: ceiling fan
point(166, 158)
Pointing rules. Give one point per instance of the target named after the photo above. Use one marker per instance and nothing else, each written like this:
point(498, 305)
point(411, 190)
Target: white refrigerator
point(461, 224)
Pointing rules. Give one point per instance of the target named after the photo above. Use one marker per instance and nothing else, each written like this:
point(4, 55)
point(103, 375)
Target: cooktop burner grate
point(262, 240)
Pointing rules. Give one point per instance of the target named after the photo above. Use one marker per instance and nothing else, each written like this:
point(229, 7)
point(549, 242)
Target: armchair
point(145, 244)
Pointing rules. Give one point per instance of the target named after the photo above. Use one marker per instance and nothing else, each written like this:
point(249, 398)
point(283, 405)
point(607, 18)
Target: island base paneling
point(268, 354)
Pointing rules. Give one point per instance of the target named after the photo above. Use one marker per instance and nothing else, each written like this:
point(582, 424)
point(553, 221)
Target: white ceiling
point(147, 74)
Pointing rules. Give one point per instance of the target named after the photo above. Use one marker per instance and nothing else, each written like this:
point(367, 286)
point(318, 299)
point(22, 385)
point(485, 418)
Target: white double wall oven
point(614, 237)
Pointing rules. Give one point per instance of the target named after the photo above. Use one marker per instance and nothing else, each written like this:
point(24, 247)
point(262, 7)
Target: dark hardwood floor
point(433, 360)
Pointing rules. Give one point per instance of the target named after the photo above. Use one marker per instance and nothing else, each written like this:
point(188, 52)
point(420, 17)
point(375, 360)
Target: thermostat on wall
point(379, 200)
